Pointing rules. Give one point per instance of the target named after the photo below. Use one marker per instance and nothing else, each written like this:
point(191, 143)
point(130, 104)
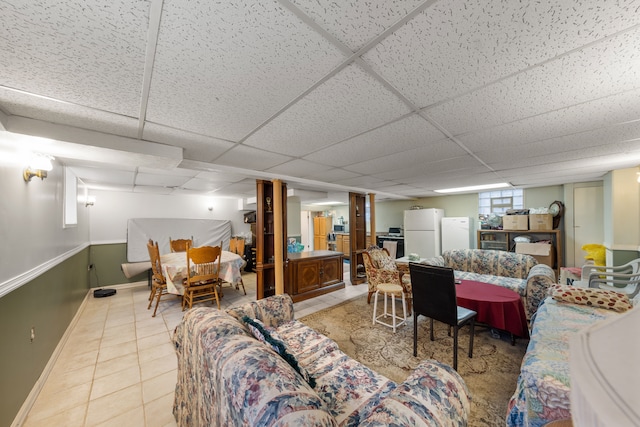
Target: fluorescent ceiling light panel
point(328, 203)
point(474, 188)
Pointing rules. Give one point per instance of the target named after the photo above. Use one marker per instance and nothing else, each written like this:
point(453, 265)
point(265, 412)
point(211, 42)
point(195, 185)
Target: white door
point(588, 219)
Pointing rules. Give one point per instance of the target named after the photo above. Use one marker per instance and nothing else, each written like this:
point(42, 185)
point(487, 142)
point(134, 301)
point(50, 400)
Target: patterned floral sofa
point(228, 377)
point(543, 388)
point(518, 272)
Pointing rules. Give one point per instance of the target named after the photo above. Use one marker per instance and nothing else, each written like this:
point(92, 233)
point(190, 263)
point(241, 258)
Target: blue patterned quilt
point(543, 387)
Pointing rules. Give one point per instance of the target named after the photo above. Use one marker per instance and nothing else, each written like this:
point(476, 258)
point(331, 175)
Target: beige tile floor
point(118, 366)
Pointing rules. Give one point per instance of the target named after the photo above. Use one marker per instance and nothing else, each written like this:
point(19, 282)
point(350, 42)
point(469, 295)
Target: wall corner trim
point(17, 281)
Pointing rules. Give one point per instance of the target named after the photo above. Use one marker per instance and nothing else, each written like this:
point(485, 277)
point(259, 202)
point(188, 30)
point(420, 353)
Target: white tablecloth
point(174, 267)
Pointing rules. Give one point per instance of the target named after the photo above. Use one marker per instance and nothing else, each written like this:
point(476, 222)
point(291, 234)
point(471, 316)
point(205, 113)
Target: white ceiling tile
point(170, 172)
point(333, 175)
point(426, 156)
point(597, 71)
point(196, 147)
point(299, 168)
point(350, 103)
point(198, 184)
point(406, 134)
point(615, 109)
point(91, 56)
point(50, 110)
point(354, 23)
point(460, 45)
point(264, 57)
point(242, 156)
point(220, 176)
point(360, 181)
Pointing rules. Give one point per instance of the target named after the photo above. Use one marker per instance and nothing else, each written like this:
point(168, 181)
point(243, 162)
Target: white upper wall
point(31, 225)
point(112, 210)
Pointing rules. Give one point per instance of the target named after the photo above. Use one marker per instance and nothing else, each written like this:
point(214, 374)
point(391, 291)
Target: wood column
point(278, 238)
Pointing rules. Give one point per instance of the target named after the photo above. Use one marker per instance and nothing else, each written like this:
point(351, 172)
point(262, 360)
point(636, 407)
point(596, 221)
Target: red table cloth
point(496, 306)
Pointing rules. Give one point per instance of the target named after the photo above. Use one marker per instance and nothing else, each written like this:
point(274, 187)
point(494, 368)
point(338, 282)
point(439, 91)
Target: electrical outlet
point(33, 333)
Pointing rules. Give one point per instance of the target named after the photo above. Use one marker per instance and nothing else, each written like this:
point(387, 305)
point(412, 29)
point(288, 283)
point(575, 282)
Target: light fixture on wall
point(39, 165)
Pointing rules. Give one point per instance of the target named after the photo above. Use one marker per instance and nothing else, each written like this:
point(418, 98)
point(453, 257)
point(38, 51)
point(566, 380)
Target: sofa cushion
point(594, 297)
point(433, 395)
point(271, 338)
point(349, 389)
point(221, 366)
point(497, 263)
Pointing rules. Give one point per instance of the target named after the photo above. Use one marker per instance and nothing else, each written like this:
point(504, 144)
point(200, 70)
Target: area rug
point(490, 375)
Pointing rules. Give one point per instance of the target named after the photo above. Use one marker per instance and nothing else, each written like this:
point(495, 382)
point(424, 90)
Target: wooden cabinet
point(357, 237)
point(503, 240)
point(321, 229)
point(265, 238)
point(313, 273)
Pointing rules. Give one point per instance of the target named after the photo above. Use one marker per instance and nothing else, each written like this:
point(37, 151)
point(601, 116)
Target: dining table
point(174, 268)
point(498, 307)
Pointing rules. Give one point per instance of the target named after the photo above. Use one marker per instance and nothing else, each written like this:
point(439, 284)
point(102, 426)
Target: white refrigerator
point(457, 233)
point(422, 232)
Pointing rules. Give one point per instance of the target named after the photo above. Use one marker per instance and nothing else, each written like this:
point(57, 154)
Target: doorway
point(588, 219)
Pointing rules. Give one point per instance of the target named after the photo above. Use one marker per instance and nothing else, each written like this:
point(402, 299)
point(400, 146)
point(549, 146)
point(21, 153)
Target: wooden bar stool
point(393, 291)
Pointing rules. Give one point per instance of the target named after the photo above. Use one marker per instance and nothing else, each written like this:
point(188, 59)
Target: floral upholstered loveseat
point(226, 376)
point(518, 272)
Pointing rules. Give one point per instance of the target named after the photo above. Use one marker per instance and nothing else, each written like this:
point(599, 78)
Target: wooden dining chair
point(203, 268)
point(180, 245)
point(158, 281)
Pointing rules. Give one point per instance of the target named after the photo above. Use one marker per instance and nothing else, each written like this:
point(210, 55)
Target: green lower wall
point(47, 303)
point(107, 261)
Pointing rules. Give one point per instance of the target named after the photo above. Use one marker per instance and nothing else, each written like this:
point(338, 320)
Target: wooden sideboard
point(313, 273)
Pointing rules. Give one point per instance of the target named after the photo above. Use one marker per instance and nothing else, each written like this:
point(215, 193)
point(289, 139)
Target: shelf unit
point(265, 250)
point(357, 237)
point(502, 240)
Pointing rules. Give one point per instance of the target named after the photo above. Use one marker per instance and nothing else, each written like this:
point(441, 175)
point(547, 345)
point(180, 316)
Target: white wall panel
point(112, 210)
point(31, 224)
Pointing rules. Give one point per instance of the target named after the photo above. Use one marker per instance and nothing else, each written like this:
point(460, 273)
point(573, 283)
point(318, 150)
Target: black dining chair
point(434, 296)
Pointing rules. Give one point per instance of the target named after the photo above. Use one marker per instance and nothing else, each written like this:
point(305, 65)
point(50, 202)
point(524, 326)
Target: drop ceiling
point(398, 98)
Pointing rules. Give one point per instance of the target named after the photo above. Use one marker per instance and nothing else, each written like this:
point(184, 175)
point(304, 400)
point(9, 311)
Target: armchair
point(381, 268)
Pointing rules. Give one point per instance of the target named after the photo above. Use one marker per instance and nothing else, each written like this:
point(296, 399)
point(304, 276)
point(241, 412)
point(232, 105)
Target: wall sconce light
point(90, 201)
point(39, 165)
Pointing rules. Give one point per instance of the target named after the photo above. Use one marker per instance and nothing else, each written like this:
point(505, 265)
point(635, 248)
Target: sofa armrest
point(540, 278)
point(272, 311)
point(434, 395)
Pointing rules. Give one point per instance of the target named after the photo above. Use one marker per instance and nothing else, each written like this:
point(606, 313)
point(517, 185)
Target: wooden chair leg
point(157, 302)
point(369, 297)
point(151, 295)
point(431, 333)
